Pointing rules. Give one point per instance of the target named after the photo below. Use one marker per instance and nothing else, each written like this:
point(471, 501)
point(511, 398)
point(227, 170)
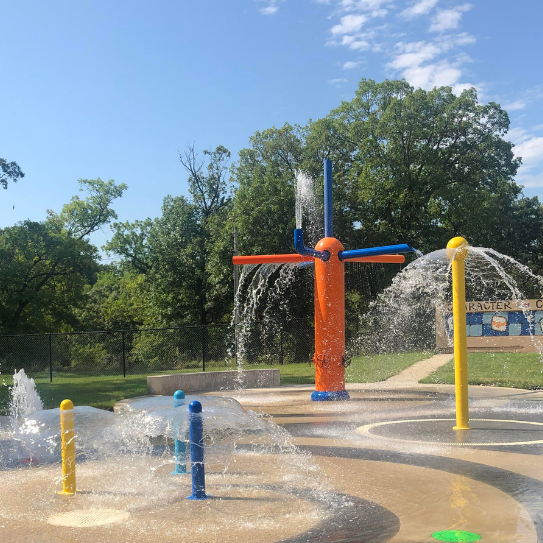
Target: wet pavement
point(385, 466)
point(397, 448)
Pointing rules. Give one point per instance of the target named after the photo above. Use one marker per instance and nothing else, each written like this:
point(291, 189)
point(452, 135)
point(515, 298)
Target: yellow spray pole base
point(457, 252)
point(67, 448)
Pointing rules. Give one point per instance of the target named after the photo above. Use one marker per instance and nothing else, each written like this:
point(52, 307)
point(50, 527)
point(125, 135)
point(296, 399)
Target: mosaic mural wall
point(500, 323)
point(495, 325)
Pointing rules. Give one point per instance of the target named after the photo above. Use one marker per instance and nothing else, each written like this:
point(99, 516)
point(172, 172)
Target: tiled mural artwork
point(499, 323)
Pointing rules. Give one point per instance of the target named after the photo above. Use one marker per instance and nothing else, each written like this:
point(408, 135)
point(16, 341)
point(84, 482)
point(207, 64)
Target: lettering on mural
point(502, 305)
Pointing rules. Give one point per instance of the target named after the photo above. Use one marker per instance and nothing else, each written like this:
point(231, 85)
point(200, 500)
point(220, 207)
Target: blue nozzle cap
point(179, 395)
point(195, 407)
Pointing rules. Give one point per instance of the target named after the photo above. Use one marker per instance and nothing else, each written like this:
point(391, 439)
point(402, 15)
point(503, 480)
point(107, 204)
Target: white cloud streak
point(349, 24)
point(413, 59)
point(270, 9)
point(337, 82)
point(420, 8)
point(514, 106)
point(448, 19)
point(351, 64)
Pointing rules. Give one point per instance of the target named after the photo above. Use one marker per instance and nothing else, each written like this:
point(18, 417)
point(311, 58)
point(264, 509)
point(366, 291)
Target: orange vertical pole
point(329, 324)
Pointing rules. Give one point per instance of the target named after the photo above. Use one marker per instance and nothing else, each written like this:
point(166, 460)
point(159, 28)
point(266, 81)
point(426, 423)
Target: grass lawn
point(104, 391)
point(517, 370)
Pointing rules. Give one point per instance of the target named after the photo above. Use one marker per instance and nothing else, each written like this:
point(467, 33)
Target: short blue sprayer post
point(196, 436)
point(180, 444)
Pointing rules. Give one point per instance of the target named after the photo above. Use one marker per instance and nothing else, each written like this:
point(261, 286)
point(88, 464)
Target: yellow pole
point(67, 447)
point(457, 252)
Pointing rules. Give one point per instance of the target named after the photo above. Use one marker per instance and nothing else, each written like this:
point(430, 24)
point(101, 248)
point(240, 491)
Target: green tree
point(46, 265)
point(9, 171)
point(118, 300)
point(418, 166)
point(182, 253)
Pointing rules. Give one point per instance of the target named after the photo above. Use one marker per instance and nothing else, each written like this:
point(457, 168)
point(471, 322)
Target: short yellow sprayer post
point(457, 252)
point(67, 447)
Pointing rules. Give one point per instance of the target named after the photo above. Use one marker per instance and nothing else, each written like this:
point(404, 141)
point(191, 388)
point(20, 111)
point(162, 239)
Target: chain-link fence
point(146, 351)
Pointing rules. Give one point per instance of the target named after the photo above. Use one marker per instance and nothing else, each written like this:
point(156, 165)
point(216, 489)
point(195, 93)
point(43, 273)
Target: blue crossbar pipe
point(301, 249)
point(196, 436)
point(328, 200)
point(376, 251)
point(180, 444)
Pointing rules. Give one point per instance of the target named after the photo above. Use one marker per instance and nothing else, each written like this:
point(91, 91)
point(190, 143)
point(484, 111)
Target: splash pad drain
point(88, 518)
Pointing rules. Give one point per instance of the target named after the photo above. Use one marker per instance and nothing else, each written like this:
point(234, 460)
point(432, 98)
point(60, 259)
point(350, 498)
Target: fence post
point(203, 347)
point(50, 360)
point(124, 355)
point(281, 345)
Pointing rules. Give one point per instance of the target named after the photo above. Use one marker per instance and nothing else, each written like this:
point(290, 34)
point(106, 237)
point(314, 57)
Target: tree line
point(410, 166)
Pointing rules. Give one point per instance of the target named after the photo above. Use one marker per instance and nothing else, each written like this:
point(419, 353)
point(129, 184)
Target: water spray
point(180, 444)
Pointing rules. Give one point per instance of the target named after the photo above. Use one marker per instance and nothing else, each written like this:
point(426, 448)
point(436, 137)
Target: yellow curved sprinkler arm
point(457, 253)
point(67, 447)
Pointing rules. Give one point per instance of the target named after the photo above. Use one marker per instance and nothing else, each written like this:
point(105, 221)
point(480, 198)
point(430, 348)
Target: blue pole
point(328, 202)
point(376, 251)
point(196, 435)
point(180, 445)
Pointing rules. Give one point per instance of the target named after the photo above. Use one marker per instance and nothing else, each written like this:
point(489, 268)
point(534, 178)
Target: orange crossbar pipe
point(280, 259)
point(271, 259)
point(385, 259)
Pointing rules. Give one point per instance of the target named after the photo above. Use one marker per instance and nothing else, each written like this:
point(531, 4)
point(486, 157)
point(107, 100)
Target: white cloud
point(433, 75)
point(514, 106)
point(270, 9)
point(518, 135)
point(337, 82)
point(464, 39)
point(349, 24)
point(529, 147)
point(351, 64)
point(447, 19)
point(460, 87)
point(355, 43)
point(420, 63)
point(363, 5)
point(531, 151)
point(413, 54)
point(420, 8)
point(530, 181)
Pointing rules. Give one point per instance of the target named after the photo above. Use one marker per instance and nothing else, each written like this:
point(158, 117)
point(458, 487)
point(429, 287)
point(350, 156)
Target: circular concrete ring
point(366, 430)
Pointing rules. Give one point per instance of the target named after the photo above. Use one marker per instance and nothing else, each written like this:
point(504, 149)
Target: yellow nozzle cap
point(456, 242)
point(458, 248)
point(66, 405)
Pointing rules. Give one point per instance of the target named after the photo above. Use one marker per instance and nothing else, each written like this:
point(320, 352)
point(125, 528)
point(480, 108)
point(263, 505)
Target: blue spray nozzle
point(301, 249)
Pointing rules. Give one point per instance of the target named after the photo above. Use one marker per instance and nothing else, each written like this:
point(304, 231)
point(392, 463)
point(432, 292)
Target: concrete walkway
point(411, 376)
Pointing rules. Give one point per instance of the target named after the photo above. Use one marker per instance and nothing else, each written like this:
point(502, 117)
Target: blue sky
point(116, 89)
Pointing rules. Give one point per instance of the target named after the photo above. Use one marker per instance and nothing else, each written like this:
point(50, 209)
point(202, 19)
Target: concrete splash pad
point(400, 479)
